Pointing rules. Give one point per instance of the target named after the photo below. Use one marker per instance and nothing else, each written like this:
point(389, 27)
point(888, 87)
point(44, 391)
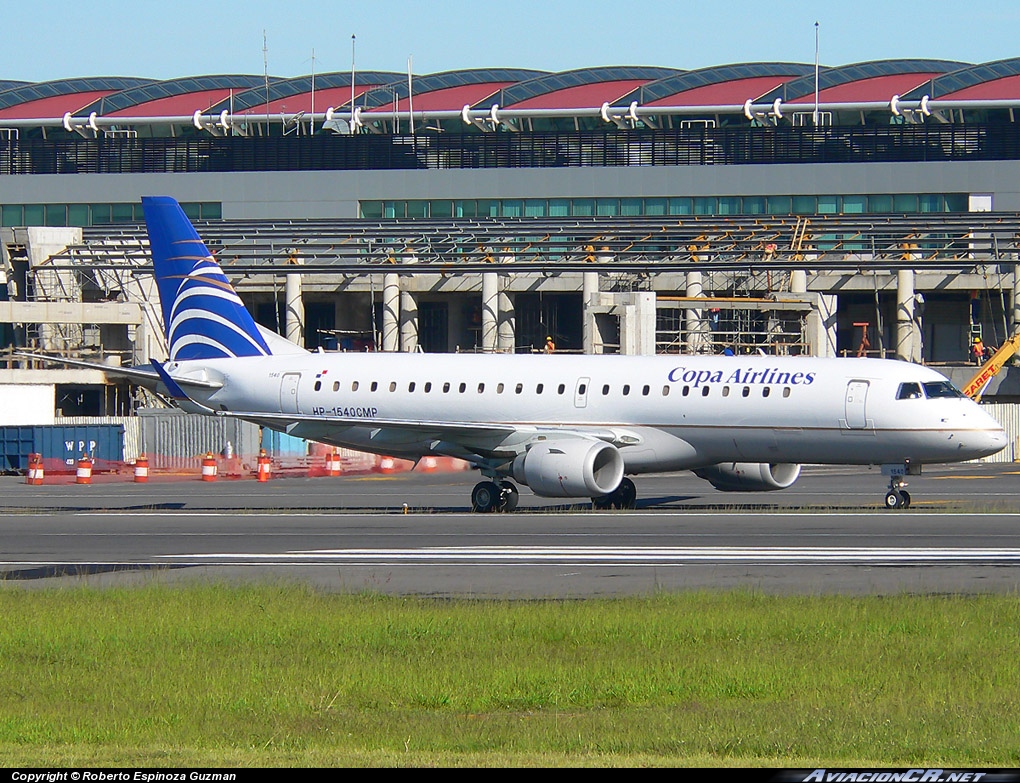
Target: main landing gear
point(488, 496)
point(621, 497)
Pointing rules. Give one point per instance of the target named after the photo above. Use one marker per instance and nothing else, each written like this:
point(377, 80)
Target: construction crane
point(976, 387)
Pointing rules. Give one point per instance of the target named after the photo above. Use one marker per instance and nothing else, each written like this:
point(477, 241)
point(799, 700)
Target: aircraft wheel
point(602, 502)
point(894, 499)
point(625, 494)
point(509, 496)
point(906, 498)
point(485, 497)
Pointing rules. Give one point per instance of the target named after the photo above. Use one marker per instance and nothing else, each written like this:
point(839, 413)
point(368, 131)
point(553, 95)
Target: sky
point(57, 39)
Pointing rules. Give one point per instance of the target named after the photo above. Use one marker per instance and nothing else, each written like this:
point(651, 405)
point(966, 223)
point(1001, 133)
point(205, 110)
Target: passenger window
point(519, 388)
point(725, 391)
point(499, 388)
point(462, 388)
point(605, 390)
point(645, 390)
point(428, 386)
point(393, 386)
point(909, 391)
point(336, 386)
point(582, 389)
point(539, 388)
point(560, 389)
point(765, 391)
point(354, 385)
point(704, 391)
point(375, 385)
point(786, 391)
point(410, 386)
point(446, 388)
point(481, 388)
point(318, 385)
point(685, 392)
point(665, 391)
point(746, 391)
point(626, 389)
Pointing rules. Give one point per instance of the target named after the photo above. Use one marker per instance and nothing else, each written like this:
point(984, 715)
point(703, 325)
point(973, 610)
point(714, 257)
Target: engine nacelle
point(750, 476)
point(570, 468)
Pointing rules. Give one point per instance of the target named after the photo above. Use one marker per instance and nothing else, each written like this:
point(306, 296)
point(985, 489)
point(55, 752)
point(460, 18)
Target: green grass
point(284, 675)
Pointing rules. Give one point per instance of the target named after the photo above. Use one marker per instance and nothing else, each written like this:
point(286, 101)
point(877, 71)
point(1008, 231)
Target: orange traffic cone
point(264, 466)
point(35, 469)
point(209, 467)
point(141, 469)
point(83, 473)
point(333, 464)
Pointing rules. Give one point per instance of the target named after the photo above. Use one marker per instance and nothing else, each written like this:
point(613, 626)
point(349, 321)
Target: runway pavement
point(828, 533)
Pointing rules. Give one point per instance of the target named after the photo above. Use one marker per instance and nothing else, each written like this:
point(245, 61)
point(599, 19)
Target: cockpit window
point(941, 389)
point(909, 391)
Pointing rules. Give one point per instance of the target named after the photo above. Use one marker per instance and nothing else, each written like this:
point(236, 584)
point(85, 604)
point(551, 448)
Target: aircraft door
point(581, 392)
point(856, 400)
point(289, 391)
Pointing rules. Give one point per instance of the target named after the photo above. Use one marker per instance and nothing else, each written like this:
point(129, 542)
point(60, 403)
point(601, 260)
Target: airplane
point(566, 426)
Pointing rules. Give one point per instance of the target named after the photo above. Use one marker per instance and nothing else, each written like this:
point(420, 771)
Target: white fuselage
point(663, 412)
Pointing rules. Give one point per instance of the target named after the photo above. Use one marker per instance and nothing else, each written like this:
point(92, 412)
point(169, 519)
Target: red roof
point(878, 88)
point(54, 106)
point(583, 96)
point(448, 99)
point(1006, 88)
point(730, 93)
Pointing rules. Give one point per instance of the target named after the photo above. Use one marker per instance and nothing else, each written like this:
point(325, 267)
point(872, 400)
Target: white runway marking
point(625, 556)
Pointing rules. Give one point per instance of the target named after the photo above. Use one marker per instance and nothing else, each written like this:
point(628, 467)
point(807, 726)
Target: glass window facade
point(82, 215)
point(879, 203)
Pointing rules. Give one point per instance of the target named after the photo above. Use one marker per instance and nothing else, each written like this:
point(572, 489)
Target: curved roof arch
point(991, 81)
point(55, 98)
point(716, 85)
point(172, 97)
point(449, 90)
point(581, 87)
point(295, 95)
point(875, 80)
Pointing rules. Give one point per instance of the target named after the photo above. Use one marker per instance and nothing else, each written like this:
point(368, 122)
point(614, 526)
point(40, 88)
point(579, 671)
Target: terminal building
point(866, 209)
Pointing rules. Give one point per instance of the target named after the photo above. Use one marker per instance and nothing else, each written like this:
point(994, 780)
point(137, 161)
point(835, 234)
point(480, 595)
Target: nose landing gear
point(897, 496)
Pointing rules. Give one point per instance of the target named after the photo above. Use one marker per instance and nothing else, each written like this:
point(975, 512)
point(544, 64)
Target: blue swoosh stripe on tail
point(194, 293)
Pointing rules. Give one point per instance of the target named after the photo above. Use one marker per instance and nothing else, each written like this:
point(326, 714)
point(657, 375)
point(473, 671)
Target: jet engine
point(750, 476)
point(570, 468)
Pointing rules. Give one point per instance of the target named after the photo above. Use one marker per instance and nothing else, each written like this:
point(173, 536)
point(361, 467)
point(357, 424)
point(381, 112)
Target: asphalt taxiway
point(415, 534)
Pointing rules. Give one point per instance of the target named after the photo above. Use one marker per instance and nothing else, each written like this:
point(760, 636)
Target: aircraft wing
point(473, 436)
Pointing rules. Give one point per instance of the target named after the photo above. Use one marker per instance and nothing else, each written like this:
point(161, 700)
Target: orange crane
point(975, 388)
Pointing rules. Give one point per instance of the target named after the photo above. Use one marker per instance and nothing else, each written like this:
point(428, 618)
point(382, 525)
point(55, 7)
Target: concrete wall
point(264, 195)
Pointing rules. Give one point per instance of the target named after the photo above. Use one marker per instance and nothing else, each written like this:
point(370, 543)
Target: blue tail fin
point(203, 316)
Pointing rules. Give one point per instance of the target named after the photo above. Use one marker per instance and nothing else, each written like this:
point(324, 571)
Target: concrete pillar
point(408, 322)
point(294, 310)
point(391, 312)
point(798, 281)
point(589, 289)
point(906, 341)
point(506, 322)
point(637, 324)
point(695, 323)
point(490, 311)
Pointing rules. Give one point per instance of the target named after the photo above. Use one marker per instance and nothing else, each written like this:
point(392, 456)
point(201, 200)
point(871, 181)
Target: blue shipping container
point(104, 443)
